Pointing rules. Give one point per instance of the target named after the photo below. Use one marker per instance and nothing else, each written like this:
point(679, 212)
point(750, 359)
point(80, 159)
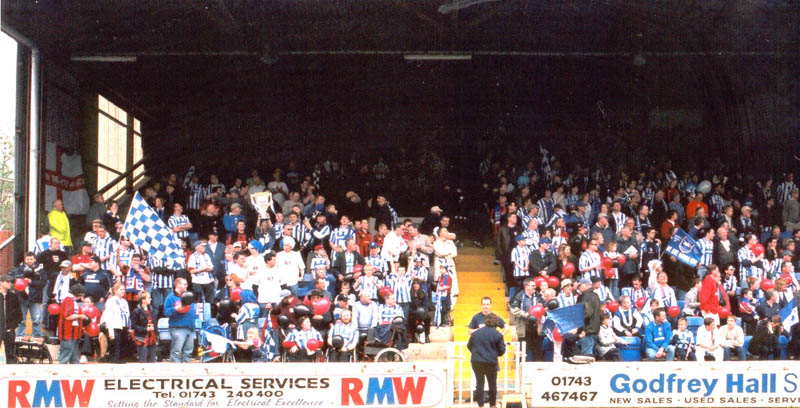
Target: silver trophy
point(262, 202)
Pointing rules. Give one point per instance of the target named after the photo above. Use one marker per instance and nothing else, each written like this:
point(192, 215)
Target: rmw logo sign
point(49, 393)
point(415, 390)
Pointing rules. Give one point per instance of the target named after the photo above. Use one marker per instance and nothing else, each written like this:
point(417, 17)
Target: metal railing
point(509, 378)
point(122, 176)
point(8, 241)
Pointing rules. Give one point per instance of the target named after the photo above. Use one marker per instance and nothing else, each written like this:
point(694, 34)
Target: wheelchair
point(337, 343)
point(390, 349)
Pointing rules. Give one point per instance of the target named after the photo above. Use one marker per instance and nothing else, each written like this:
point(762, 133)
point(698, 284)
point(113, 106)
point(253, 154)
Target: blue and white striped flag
point(789, 315)
point(146, 230)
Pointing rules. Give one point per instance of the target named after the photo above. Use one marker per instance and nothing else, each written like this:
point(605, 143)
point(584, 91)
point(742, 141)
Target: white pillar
point(34, 178)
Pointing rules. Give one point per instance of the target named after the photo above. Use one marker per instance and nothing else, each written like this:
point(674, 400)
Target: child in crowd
point(683, 340)
point(607, 340)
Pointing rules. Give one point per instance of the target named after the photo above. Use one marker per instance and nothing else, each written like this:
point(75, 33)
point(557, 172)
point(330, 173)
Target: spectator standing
point(59, 224)
point(591, 316)
point(181, 324)
point(486, 345)
point(10, 317)
point(70, 326)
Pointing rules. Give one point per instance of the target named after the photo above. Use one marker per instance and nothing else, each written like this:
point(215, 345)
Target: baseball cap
point(436, 208)
point(595, 279)
point(85, 243)
point(520, 238)
point(285, 293)
point(787, 252)
point(318, 247)
point(585, 281)
point(544, 240)
point(566, 282)
point(199, 242)
point(373, 245)
point(66, 264)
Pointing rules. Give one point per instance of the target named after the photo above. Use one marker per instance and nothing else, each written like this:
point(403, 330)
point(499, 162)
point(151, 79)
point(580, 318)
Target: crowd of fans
point(323, 274)
point(313, 278)
point(587, 236)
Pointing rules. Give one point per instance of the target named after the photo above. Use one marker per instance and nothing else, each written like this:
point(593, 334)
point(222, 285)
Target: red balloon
point(557, 334)
point(236, 294)
point(313, 344)
point(621, 259)
point(607, 262)
point(385, 291)
point(537, 311)
point(673, 311)
point(321, 306)
point(93, 329)
point(20, 285)
point(287, 344)
point(91, 311)
point(609, 273)
point(537, 281)
point(767, 284)
point(307, 301)
point(758, 249)
point(568, 270)
point(724, 312)
point(552, 282)
point(612, 306)
point(54, 309)
point(357, 268)
point(640, 302)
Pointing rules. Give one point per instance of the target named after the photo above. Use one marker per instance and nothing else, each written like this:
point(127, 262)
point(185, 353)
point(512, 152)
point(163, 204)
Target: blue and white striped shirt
point(784, 191)
point(706, 251)
point(564, 301)
point(590, 260)
point(386, 313)
point(177, 220)
point(301, 235)
point(321, 261)
point(196, 194)
point(301, 337)
point(619, 220)
point(104, 247)
point(401, 285)
point(349, 333)
point(340, 235)
point(380, 263)
point(520, 258)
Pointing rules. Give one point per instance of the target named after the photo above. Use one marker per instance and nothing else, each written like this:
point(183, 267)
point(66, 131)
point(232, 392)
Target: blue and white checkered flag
point(789, 315)
point(145, 229)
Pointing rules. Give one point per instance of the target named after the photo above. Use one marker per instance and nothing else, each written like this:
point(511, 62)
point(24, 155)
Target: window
point(113, 138)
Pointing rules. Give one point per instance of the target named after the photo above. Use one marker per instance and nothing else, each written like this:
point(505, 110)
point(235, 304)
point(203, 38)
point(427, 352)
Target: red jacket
point(709, 302)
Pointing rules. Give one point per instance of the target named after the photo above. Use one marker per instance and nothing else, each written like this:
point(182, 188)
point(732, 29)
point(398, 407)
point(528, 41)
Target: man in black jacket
point(505, 244)
point(10, 317)
point(591, 316)
point(542, 261)
point(766, 341)
point(725, 249)
point(486, 345)
point(520, 306)
point(30, 300)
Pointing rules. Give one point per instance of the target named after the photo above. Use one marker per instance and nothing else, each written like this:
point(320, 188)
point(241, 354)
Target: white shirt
point(255, 267)
point(291, 266)
point(707, 338)
point(393, 246)
point(269, 285)
point(200, 261)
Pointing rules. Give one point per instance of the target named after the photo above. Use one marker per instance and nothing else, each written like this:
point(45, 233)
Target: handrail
point(122, 176)
point(103, 166)
point(6, 242)
point(122, 190)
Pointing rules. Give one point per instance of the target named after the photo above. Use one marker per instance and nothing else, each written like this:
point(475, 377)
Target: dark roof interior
point(537, 67)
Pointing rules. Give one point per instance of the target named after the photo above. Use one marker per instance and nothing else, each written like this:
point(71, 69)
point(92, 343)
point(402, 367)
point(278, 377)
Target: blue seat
point(681, 304)
point(783, 343)
point(693, 323)
point(305, 285)
point(631, 351)
point(163, 329)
